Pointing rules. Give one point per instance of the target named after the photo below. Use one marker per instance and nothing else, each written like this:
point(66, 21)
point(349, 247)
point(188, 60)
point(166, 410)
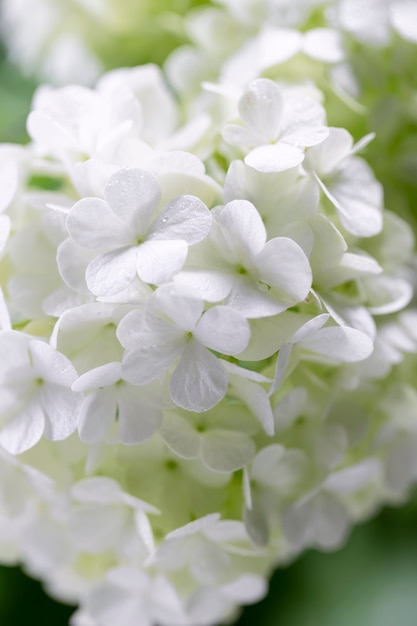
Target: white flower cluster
point(202, 341)
point(76, 40)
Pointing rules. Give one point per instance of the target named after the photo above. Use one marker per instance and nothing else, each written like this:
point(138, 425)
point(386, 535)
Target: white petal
point(102, 376)
point(98, 489)
point(72, 261)
point(180, 436)
point(283, 265)
point(139, 418)
point(208, 562)
point(110, 273)
point(146, 364)
point(182, 305)
point(274, 158)
point(353, 478)
point(253, 299)
point(357, 197)
point(243, 228)
point(51, 365)
point(158, 261)
point(404, 19)
point(284, 357)
point(95, 528)
point(210, 285)
point(199, 381)
point(134, 196)
point(237, 135)
point(97, 414)
point(387, 294)
point(185, 217)
point(194, 527)
point(310, 327)
point(331, 522)
point(340, 343)
point(303, 112)
point(5, 227)
point(61, 407)
point(24, 429)
point(226, 450)
point(92, 224)
point(224, 330)
point(256, 398)
point(261, 108)
point(246, 589)
point(327, 155)
point(141, 329)
point(9, 178)
point(324, 44)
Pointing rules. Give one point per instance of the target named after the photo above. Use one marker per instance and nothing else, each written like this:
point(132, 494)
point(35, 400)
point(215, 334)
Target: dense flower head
point(206, 346)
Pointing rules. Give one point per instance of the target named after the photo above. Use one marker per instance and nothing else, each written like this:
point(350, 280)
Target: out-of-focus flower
point(75, 40)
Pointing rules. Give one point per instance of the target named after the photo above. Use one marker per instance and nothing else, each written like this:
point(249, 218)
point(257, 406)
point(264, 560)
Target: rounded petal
point(274, 158)
point(224, 330)
point(24, 429)
point(157, 262)
point(243, 229)
point(199, 381)
point(139, 418)
point(261, 108)
point(324, 44)
point(111, 272)
point(226, 450)
point(340, 343)
point(185, 217)
point(283, 265)
point(92, 224)
point(61, 407)
point(51, 365)
point(180, 436)
point(97, 414)
point(133, 196)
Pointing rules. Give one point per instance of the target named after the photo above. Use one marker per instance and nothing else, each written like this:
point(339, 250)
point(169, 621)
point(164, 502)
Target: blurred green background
point(372, 581)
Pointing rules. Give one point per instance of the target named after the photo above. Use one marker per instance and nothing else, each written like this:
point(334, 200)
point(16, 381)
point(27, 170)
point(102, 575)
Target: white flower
point(315, 340)
point(155, 343)
point(132, 596)
point(103, 517)
point(320, 518)
point(220, 437)
point(348, 182)
point(114, 410)
point(279, 125)
point(256, 277)
point(139, 238)
point(36, 396)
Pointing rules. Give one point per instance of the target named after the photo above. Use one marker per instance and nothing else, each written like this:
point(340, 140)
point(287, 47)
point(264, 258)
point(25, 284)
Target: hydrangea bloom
point(207, 361)
point(75, 40)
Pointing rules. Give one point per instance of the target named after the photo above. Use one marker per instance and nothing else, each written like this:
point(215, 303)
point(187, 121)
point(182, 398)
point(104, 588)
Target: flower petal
point(185, 217)
point(274, 158)
point(261, 108)
point(92, 224)
point(24, 429)
point(133, 196)
point(199, 381)
point(111, 272)
point(283, 265)
point(158, 261)
point(139, 418)
point(226, 450)
point(224, 330)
